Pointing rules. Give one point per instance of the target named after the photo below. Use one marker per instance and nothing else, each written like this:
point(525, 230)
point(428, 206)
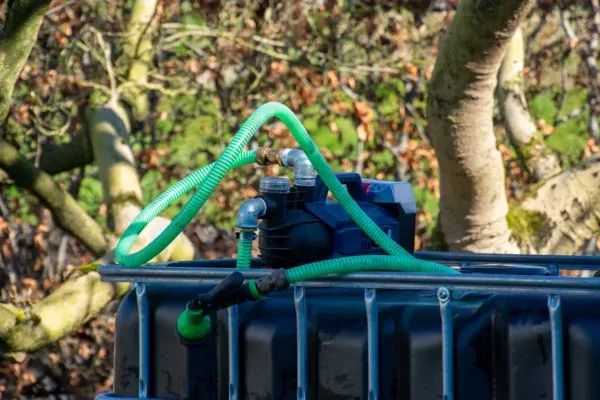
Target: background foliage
point(355, 72)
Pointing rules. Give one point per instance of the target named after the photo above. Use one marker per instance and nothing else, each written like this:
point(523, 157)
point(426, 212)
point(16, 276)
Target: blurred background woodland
point(164, 84)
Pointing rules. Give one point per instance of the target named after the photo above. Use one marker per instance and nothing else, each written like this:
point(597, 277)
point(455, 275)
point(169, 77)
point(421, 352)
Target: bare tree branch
point(520, 127)
point(107, 62)
point(67, 213)
point(139, 52)
point(57, 158)
point(66, 309)
point(589, 56)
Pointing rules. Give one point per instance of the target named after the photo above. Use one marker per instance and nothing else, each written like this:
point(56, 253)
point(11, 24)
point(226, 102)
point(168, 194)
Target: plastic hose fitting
point(249, 213)
point(193, 324)
point(304, 171)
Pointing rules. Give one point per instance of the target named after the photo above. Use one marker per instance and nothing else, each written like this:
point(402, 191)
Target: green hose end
point(244, 257)
point(193, 325)
point(254, 289)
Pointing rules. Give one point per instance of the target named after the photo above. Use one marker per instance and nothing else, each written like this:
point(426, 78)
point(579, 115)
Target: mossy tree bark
point(139, 52)
point(67, 213)
point(84, 295)
point(109, 133)
point(473, 203)
point(23, 20)
point(520, 127)
point(75, 302)
point(561, 213)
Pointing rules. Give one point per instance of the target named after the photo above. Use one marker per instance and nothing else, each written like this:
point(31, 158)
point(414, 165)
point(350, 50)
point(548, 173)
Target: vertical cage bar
point(143, 340)
point(233, 342)
point(372, 342)
point(447, 344)
point(301, 345)
point(556, 324)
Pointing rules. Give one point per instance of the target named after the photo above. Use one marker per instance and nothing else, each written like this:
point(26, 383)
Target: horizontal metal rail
point(378, 280)
point(457, 259)
point(560, 261)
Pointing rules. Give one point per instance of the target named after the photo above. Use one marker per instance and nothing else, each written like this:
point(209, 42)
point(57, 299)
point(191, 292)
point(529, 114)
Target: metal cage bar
point(234, 353)
point(556, 329)
point(444, 297)
point(144, 340)
point(301, 345)
point(372, 342)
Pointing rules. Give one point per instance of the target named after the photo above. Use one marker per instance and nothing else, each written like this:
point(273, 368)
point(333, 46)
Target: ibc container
point(508, 328)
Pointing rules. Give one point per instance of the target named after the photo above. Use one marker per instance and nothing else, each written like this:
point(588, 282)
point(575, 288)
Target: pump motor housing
point(304, 226)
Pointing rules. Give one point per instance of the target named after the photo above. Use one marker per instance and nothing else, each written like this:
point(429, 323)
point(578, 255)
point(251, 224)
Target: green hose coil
point(209, 177)
point(176, 226)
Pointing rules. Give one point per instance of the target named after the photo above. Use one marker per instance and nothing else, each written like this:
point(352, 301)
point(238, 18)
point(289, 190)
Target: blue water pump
point(304, 226)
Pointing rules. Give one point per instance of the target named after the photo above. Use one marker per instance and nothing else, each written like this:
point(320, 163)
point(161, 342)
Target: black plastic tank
point(504, 344)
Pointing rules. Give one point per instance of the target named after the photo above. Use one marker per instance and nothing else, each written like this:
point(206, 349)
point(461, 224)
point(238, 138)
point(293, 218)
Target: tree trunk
point(23, 20)
point(473, 203)
point(520, 127)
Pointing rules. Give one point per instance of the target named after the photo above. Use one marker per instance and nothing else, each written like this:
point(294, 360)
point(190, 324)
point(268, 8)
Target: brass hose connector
point(268, 156)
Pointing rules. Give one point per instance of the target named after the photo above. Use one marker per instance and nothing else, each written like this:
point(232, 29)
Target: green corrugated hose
point(361, 263)
point(228, 160)
point(244, 256)
point(199, 177)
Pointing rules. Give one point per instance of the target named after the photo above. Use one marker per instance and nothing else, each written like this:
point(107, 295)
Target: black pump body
point(303, 226)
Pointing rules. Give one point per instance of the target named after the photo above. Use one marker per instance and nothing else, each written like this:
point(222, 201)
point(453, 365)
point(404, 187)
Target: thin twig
point(109, 67)
point(270, 42)
point(593, 70)
point(154, 86)
point(398, 151)
point(589, 56)
point(105, 89)
point(565, 19)
point(61, 257)
point(409, 107)
point(538, 28)
point(174, 38)
point(13, 274)
point(366, 68)
point(4, 209)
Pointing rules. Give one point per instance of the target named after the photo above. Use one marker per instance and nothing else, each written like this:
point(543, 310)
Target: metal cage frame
point(546, 280)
